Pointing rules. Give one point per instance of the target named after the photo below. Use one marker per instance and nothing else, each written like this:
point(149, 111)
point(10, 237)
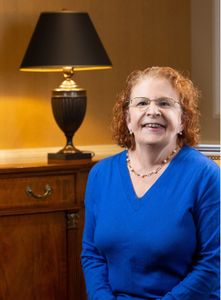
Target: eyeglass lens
point(142, 103)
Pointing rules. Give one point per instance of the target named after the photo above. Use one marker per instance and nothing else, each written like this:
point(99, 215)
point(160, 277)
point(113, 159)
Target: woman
point(152, 211)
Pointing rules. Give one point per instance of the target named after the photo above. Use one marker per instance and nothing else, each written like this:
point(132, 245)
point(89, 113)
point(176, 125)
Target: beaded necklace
point(152, 172)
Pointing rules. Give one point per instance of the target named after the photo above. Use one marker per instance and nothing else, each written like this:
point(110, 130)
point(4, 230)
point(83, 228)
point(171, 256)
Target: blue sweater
point(164, 245)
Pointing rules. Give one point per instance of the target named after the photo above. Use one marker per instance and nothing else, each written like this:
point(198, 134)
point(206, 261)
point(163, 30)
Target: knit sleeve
point(93, 263)
point(202, 283)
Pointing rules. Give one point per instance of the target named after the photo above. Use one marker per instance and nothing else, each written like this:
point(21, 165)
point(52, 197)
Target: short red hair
point(189, 96)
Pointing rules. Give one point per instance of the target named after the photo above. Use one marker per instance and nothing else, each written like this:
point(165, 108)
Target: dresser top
point(39, 167)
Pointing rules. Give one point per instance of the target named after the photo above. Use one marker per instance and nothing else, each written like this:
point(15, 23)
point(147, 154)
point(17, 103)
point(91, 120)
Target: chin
point(152, 142)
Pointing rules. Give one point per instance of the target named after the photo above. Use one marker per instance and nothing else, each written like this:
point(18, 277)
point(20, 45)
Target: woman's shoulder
point(105, 164)
point(193, 158)
point(200, 175)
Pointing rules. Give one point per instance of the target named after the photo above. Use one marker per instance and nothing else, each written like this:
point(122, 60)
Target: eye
point(164, 102)
point(140, 102)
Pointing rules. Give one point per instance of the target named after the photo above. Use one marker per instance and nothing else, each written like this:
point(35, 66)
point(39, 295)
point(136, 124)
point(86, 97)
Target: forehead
point(153, 87)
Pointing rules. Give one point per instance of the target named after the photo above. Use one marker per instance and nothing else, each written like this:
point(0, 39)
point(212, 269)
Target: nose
point(153, 109)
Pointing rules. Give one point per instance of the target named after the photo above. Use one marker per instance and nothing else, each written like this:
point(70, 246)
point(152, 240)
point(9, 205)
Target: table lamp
point(66, 42)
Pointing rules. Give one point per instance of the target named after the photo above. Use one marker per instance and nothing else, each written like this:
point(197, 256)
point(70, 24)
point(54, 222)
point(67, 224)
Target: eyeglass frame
point(150, 100)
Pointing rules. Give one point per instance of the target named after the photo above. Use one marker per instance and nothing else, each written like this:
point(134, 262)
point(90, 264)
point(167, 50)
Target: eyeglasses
point(142, 103)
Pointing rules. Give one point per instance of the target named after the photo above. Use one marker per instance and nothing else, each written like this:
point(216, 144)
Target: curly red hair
point(188, 94)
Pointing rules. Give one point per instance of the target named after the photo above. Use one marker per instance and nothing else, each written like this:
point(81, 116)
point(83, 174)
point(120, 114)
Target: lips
point(153, 125)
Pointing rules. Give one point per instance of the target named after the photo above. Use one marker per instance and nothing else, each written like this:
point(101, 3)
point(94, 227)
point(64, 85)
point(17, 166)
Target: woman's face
point(155, 122)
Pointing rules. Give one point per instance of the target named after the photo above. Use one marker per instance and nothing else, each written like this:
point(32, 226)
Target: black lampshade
point(65, 39)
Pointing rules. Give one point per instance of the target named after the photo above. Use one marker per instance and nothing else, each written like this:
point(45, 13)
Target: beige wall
point(205, 64)
point(135, 34)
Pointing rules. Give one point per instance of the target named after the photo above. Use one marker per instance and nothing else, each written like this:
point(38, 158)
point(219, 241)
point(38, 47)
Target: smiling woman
point(185, 93)
point(152, 210)
point(154, 125)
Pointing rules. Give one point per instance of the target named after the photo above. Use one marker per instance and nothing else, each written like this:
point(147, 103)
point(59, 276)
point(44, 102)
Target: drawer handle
point(48, 192)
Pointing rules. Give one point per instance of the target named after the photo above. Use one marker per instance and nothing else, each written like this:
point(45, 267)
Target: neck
point(149, 156)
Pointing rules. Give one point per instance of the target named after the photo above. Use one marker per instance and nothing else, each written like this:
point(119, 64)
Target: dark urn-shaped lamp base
point(69, 107)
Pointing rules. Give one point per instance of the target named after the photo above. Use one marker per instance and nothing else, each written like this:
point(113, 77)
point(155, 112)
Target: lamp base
point(59, 157)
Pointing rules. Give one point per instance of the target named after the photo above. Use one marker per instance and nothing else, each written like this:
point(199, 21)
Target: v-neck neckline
point(128, 186)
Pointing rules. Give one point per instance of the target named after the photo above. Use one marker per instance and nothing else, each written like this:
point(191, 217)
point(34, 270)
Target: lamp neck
point(68, 84)
point(68, 72)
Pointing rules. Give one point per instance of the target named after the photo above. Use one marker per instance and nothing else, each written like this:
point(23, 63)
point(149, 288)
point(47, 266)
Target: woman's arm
point(93, 263)
point(202, 283)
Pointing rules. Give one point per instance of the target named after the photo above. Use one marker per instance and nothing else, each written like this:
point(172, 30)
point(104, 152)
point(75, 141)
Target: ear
point(181, 127)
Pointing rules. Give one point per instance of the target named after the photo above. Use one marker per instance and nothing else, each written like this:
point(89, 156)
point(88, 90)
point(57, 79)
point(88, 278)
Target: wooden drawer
point(42, 191)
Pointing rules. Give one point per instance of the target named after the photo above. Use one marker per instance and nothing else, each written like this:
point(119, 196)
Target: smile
point(153, 125)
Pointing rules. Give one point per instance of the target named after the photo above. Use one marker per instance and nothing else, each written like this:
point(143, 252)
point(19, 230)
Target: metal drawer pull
point(48, 192)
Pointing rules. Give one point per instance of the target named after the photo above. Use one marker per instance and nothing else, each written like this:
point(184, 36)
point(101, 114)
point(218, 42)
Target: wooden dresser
point(41, 223)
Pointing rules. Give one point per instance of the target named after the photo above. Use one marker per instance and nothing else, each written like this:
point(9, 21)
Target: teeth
point(153, 125)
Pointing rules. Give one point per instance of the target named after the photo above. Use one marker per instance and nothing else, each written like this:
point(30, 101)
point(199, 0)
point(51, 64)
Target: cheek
point(131, 119)
point(176, 118)
point(174, 121)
